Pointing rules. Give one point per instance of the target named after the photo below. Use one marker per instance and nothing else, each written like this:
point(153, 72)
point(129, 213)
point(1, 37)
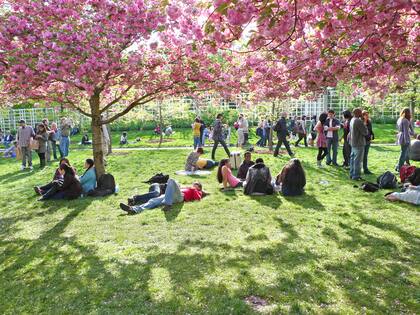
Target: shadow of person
point(306, 201)
point(174, 212)
point(272, 201)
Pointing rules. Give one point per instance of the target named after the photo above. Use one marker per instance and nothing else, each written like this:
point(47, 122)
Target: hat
point(22, 121)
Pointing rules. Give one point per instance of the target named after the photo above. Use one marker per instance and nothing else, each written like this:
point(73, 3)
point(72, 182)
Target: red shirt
point(191, 194)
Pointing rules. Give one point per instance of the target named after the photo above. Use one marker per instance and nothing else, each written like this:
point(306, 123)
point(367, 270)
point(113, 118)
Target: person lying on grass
point(67, 187)
point(245, 165)
point(40, 190)
point(155, 190)
point(173, 194)
point(225, 176)
point(291, 180)
point(411, 195)
point(258, 179)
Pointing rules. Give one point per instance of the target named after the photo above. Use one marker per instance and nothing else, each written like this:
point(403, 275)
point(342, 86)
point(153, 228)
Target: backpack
point(105, 187)
point(387, 180)
point(369, 187)
point(406, 171)
point(158, 178)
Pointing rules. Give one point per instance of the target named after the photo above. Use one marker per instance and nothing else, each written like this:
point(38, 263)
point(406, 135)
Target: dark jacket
point(258, 180)
point(218, 130)
point(346, 130)
point(370, 136)
point(71, 188)
point(335, 123)
point(281, 128)
point(243, 169)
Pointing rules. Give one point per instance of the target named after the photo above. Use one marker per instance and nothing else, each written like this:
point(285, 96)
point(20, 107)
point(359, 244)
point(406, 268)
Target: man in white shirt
point(331, 126)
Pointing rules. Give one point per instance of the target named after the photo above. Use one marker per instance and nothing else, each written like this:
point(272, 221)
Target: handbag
point(34, 144)
point(18, 154)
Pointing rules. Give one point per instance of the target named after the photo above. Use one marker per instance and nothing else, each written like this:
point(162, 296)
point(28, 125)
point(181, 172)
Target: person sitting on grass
point(123, 139)
point(258, 179)
point(11, 152)
point(68, 187)
point(168, 131)
point(291, 180)
point(206, 164)
point(88, 179)
point(410, 195)
point(40, 190)
point(245, 165)
point(191, 164)
point(225, 176)
point(173, 194)
point(414, 153)
point(85, 140)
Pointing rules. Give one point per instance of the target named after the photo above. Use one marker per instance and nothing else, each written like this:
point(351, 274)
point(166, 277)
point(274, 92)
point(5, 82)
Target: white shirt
point(330, 132)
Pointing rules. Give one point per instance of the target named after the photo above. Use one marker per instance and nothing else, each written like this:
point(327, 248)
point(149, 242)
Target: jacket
point(218, 130)
point(42, 140)
point(281, 128)
point(405, 130)
point(258, 180)
point(243, 169)
point(335, 123)
point(358, 132)
point(370, 136)
point(88, 180)
point(71, 188)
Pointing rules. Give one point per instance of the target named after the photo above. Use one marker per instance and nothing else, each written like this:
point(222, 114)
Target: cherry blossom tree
point(106, 56)
point(302, 46)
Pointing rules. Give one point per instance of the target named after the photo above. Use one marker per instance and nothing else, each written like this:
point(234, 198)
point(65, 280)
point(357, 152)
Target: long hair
point(219, 170)
point(406, 113)
point(292, 174)
point(91, 164)
point(68, 169)
point(41, 125)
point(323, 117)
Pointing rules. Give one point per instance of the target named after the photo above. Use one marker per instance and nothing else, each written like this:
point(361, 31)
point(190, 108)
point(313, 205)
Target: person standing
point(196, 126)
point(301, 132)
point(313, 130)
point(245, 127)
point(65, 129)
point(405, 130)
point(266, 129)
point(218, 136)
point(42, 138)
point(282, 133)
point(321, 141)
point(48, 130)
point(358, 133)
point(241, 134)
point(53, 139)
point(24, 135)
point(346, 129)
point(331, 126)
point(202, 128)
point(369, 138)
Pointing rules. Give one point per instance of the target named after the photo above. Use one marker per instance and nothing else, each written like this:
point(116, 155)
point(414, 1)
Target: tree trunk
point(160, 124)
point(97, 138)
point(270, 135)
point(110, 139)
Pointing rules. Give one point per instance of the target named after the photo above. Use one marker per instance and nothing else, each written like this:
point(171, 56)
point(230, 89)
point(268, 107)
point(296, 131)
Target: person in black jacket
point(282, 133)
point(245, 165)
point(292, 179)
point(346, 147)
point(370, 136)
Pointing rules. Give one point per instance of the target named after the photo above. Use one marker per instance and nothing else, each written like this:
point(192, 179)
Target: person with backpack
point(258, 179)
point(88, 179)
point(291, 180)
point(405, 131)
point(358, 133)
point(346, 131)
point(173, 194)
point(245, 165)
point(370, 136)
point(218, 136)
point(282, 133)
point(332, 126)
point(225, 176)
point(66, 187)
point(321, 140)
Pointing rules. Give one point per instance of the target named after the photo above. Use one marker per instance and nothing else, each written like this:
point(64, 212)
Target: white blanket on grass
point(187, 173)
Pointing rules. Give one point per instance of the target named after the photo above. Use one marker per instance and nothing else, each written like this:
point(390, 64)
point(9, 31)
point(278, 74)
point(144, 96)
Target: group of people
point(66, 184)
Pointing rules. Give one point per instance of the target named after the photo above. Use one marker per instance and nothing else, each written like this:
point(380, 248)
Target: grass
point(384, 133)
point(335, 250)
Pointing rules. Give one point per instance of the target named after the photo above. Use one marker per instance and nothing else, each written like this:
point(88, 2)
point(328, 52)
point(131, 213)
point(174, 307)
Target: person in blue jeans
point(173, 194)
point(65, 130)
point(358, 133)
point(405, 131)
point(331, 126)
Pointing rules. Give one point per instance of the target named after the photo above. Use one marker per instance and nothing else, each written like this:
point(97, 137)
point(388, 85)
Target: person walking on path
point(358, 133)
point(405, 130)
point(369, 138)
point(321, 140)
point(332, 125)
point(218, 136)
point(282, 133)
point(24, 135)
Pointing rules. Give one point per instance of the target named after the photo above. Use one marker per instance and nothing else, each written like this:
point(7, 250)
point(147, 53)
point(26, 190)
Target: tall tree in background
point(106, 56)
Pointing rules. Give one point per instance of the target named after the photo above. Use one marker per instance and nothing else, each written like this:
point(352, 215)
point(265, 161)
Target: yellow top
point(196, 129)
point(201, 163)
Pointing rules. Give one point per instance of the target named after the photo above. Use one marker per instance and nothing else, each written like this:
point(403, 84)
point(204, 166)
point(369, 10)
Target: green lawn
point(336, 250)
point(385, 133)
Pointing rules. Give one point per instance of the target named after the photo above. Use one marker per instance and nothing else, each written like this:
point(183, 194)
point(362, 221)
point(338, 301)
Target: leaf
point(222, 9)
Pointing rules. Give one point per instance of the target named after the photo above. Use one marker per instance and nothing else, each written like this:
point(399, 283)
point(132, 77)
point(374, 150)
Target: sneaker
point(328, 163)
point(130, 202)
point(31, 168)
point(22, 168)
point(167, 208)
point(127, 208)
point(367, 172)
point(38, 191)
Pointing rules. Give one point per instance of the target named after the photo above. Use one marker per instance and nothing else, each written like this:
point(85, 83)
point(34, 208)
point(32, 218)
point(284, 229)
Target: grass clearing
point(334, 250)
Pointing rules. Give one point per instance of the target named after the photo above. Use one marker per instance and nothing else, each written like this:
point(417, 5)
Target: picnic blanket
point(188, 173)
